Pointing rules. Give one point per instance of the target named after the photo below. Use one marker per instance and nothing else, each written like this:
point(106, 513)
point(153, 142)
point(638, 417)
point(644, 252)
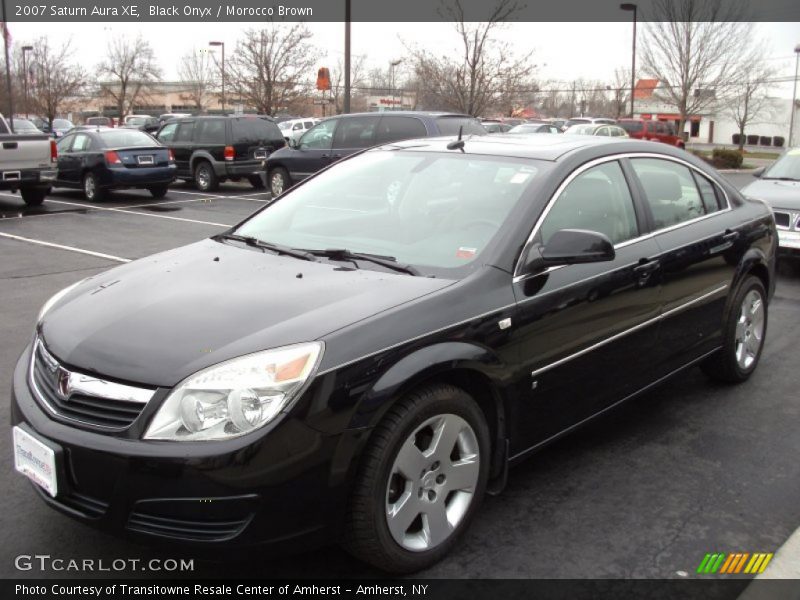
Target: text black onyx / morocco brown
point(362, 359)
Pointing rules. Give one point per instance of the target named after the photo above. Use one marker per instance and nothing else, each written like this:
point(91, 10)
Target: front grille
point(783, 219)
point(79, 398)
point(204, 530)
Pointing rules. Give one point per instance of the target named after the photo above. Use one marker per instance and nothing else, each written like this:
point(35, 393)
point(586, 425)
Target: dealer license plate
point(35, 460)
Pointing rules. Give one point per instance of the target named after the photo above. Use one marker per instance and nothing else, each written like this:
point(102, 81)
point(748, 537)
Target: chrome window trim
point(626, 332)
point(87, 385)
point(616, 157)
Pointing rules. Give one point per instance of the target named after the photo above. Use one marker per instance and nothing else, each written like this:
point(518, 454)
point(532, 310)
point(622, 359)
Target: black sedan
point(99, 160)
point(362, 359)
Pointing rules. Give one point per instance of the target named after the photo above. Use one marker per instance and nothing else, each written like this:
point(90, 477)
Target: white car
point(294, 128)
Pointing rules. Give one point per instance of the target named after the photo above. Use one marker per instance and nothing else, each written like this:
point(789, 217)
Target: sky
point(562, 51)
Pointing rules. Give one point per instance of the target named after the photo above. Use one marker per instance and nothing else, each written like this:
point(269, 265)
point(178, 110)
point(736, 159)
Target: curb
point(784, 566)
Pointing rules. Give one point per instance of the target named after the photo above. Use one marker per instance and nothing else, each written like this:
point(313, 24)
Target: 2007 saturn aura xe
point(362, 359)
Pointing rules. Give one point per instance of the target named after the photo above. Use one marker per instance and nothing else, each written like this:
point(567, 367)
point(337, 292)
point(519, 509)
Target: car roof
point(539, 147)
point(407, 113)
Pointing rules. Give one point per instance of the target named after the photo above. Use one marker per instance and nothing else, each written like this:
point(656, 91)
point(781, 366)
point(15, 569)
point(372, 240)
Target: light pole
point(25, 50)
point(632, 7)
point(392, 66)
point(793, 109)
point(222, 44)
point(346, 107)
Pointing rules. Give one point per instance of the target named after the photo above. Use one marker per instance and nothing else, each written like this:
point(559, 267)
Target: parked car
point(495, 126)
point(655, 131)
point(101, 121)
point(100, 160)
point(587, 121)
point(148, 124)
point(169, 116)
point(779, 186)
point(87, 128)
point(27, 163)
point(60, 127)
point(361, 359)
point(24, 127)
point(535, 128)
point(558, 123)
point(603, 130)
point(293, 129)
point(211, 150)
point(337, 137)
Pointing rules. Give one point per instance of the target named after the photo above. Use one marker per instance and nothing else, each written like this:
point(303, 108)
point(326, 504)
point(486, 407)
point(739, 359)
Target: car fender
point(754, 261)
point(204, 155)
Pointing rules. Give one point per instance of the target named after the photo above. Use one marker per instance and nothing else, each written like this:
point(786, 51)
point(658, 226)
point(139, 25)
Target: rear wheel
point(743, 336)
point(91, 188)
point(158, 191)
point(34, 196)
point(205, 179)
point(421, 480)
point(256, 182)
point(279, 181)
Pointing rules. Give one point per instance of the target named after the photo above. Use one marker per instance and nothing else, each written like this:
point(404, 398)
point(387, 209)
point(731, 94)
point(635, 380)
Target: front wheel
point(743, 335)
point(279, 181)
point(34, 196)
point(422, 478)
point(91, 188)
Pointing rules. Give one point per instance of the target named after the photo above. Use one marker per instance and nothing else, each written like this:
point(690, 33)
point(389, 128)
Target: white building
point(717, 126)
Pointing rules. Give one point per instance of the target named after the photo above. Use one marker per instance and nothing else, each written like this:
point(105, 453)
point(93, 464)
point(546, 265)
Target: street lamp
point(793, 109)
point(222, 44)
point(25, 50)
point(392, 66)
point(632, 7)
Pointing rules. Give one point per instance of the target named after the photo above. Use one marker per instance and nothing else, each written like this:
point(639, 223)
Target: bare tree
point(693, 48)
point(749, 100)
point(484, 70)
point(129, 70)
point(199, 75)
point(337, 80)
point(52, 78)
point(621, 92)
point(271, 67)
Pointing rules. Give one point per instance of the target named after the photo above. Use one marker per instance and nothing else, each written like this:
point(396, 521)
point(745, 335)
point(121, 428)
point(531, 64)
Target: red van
point(655, 131)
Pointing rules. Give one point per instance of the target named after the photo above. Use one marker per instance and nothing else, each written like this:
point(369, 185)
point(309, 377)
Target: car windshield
point(24, 125)
point(429, 210)
point(62, 124)
point(530, 128)
point(285, 125)
point(582, 129)
point(786, 167)
point(120, 138)
point(136, 121)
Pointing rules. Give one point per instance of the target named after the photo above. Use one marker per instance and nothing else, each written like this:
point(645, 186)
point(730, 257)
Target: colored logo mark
point(735, 562)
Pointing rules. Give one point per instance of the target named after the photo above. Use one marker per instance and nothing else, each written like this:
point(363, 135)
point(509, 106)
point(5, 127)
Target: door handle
point(730, 236)
point(647, 267)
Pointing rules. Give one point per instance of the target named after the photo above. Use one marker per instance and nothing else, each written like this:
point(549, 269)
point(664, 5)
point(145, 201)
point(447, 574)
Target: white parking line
point(134, 212)
point(239, 197)
point(62, 247)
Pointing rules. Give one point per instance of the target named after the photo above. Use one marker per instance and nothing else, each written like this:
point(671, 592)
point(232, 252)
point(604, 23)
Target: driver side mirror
point(759, 172)
point(569, 247)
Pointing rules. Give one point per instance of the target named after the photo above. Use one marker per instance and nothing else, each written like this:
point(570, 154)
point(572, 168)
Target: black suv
point(210, 150)
point(340, 136)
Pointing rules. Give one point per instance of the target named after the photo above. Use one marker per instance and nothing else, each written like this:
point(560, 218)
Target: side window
point(210, 131)
point(602, 131)
point(184, 133)
point(670, 191)
point(355, 132)
point(167, 132)
point(297, 127)
point(711, 195)
point(394, 128)
point(308, 124)
point(64, 143)
point(81, 143)
point(598, 200)
point(660, 128)
point(320, 136)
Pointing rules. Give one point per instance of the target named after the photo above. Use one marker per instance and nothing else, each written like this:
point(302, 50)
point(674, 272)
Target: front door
point(313, 151)
point(584, 332)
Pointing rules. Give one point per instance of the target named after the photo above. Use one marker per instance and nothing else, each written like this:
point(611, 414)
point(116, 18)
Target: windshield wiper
point(390, 262)
point(782, 178)
point(276, 248)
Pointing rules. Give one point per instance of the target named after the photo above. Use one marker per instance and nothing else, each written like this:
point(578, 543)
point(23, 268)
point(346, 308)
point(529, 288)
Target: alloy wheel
point(749, 329)
point(277, 184)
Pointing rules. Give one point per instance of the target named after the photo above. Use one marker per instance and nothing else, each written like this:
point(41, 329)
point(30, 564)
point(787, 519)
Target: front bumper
point(275, 489)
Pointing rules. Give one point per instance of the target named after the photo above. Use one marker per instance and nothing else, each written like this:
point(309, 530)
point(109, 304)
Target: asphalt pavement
point(690, 468)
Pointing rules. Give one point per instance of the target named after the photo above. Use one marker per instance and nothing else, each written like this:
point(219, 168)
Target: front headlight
point(236, 396)
point(55, 298)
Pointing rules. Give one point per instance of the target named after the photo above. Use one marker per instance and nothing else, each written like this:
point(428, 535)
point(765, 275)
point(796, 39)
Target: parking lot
point(690, 468)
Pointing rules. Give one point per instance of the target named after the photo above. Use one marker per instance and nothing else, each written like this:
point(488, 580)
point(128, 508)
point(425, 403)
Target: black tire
point(737, 360)
point(205, 179)
point(158, 191)
point(279, 181)
point(367, 533)
point(34, 196)
point(91, 188)
point(256, 182)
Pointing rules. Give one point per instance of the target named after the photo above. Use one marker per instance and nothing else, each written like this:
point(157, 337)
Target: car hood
point(776, 193)
point(158, 320)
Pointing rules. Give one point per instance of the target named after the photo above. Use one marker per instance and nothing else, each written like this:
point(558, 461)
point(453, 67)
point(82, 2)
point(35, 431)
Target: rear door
point(210, 136)
point(393, 128)
point(313, 151)
point(71, 166)
point(65, 158)
point(182, 146)
point(353, 134)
